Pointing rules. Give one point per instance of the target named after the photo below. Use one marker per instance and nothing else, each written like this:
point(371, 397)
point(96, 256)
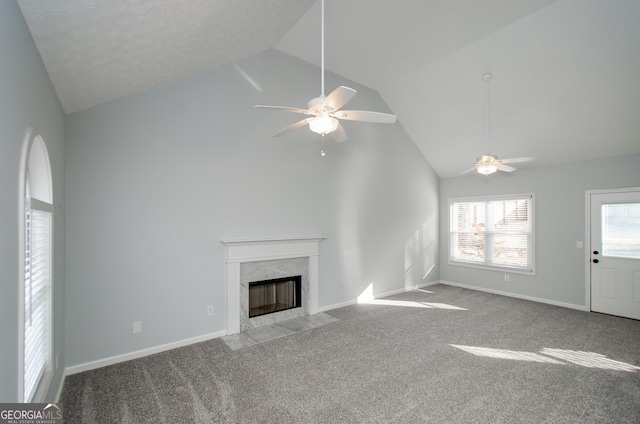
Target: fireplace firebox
point(269, 296)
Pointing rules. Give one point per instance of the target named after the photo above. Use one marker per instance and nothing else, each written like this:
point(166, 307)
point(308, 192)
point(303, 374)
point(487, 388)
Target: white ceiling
point(565, 84)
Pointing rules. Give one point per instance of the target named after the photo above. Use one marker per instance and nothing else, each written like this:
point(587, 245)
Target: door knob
point(595, 252)
point(595, 261)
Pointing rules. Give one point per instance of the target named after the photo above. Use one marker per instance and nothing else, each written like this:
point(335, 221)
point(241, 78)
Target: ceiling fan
point(488, 164)
point(324, 111)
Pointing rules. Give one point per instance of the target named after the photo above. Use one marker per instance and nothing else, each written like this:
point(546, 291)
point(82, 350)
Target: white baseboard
point(405, 289)
point(87, 366)
point(59, 392)
point(337, 305)
point(379, 295)
point(517, 296)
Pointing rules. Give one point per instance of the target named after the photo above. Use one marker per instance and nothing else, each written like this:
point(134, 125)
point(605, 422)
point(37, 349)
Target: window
point(494, 232)
point(36, 282)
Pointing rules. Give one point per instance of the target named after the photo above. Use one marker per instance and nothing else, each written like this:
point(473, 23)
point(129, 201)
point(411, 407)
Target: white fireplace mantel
point(241, 251)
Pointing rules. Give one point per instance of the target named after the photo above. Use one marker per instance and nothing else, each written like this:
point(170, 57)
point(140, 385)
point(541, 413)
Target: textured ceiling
point(565, 81)
point(100, 50)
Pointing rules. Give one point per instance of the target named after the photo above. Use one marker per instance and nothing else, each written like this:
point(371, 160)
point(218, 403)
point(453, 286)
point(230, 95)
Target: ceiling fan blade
point(284, 109)
point(366, 116)
point(339, 97)
point(292, 127)
point(468, 170)
point(516, 160)
point(506, 168)
point(339, 134)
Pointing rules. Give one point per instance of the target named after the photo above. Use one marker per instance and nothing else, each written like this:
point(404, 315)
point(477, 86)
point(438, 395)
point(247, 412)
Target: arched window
point(37, 257)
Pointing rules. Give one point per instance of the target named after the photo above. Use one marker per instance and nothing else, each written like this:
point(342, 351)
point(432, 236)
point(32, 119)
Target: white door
point(615, 253)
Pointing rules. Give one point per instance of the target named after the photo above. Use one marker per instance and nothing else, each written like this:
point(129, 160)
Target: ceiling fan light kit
point(323, 124)
point(488, 164)
point(324, 111)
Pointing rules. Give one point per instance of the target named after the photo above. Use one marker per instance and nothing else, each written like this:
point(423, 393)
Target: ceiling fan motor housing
point(487, 158)
point(316, 103)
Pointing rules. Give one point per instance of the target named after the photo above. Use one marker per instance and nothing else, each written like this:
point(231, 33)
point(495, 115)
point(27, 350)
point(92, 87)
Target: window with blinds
point(493, 232)
point(36, 282)
point(37, 297)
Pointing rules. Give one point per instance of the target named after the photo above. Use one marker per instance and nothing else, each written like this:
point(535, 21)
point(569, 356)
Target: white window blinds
point(493, 232)
point(37, 295)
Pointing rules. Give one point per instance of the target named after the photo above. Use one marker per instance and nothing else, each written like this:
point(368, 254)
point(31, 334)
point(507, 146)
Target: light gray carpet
point(415, 359)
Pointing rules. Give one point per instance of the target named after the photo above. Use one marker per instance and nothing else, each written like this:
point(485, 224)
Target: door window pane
point(621, 230)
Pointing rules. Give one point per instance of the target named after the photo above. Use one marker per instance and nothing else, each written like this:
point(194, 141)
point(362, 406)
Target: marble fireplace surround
point(255, 251)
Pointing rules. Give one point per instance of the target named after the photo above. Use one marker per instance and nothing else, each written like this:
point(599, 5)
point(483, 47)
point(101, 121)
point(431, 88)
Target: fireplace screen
point(269, 296)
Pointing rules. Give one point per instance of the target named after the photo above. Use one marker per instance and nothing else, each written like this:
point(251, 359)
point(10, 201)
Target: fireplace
point(275, 295)
point(278, 271)
point(268, 259)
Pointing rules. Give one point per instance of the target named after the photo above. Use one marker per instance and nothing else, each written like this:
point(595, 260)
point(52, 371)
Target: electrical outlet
point(506, 277)
point(579, 245)
point(210, 310)
point(137, 327)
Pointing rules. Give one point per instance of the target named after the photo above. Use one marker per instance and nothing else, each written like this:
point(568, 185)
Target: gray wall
point(26, 98)
point(156, 180)
point(560, 223)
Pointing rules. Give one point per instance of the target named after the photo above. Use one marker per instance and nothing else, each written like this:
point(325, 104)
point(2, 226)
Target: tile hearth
point(269, 332)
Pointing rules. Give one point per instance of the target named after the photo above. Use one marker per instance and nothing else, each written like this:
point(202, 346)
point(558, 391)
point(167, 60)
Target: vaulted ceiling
point(565, 84)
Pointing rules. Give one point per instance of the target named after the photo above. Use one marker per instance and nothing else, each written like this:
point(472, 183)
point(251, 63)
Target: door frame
point(587, 239)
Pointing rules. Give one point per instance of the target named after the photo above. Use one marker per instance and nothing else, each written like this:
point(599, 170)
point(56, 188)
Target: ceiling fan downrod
point(486, 77)
point(487, 164)
point(322, 48)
